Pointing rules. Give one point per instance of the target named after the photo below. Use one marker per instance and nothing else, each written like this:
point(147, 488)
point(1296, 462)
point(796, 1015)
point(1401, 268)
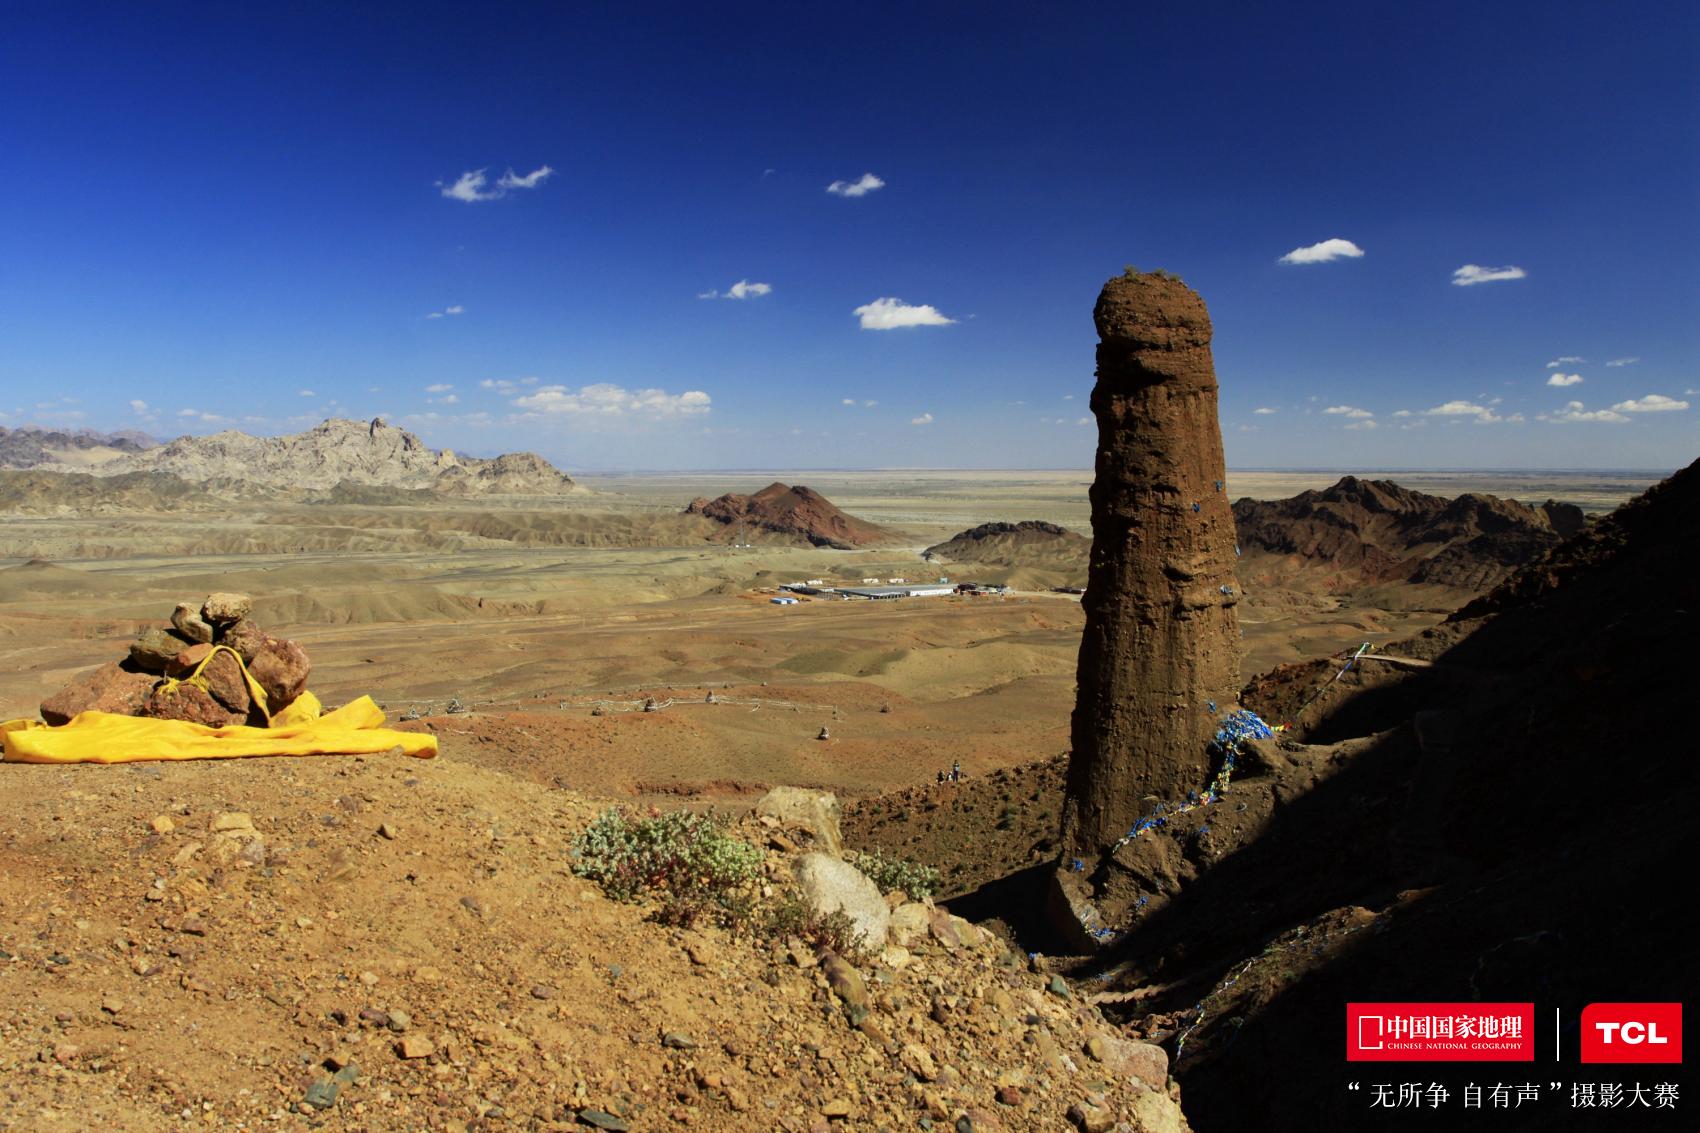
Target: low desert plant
point(687, 861)
point(893, 873)
point(792, 917)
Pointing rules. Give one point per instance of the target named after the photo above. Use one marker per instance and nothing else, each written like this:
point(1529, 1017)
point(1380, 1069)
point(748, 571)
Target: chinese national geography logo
point(1440, 1032)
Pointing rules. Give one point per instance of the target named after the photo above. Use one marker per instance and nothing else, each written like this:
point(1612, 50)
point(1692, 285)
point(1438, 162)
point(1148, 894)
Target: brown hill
point(798, 513)
point(1365, 532)
point(1032, 542)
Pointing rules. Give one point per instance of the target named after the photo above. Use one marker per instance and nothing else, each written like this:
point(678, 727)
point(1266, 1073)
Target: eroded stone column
point(1159, 662)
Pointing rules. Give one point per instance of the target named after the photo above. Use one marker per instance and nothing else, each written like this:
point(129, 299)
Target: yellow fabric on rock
point(103, 737)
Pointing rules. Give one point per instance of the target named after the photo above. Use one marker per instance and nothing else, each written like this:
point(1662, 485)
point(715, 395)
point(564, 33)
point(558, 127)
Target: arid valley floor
point(151, 985)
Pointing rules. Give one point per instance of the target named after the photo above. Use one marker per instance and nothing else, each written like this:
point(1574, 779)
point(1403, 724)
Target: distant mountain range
point(337, 453)
point(31, 447)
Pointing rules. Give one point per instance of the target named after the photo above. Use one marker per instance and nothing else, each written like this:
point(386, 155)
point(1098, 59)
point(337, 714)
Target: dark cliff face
point(797, 512)
point(1159, 658)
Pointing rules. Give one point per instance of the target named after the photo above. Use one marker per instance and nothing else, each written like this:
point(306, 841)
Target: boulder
point(224, 679)
point(188, 702)
point(110, 688)
point(909, 923)
point(817, 812)
point(187, 620)
point(830, 885)
point(282, 669)
point(184, 663)
point(246, 638)
point(155, 649)
point(1143, 1063)
point(224, 608)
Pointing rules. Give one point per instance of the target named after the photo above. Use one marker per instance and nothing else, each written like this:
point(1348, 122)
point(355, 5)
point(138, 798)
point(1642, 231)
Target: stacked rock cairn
point(152, 679)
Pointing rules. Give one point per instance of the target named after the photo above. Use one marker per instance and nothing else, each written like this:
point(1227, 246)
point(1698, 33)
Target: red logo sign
point(1632, 1032)
point(1440, 1032)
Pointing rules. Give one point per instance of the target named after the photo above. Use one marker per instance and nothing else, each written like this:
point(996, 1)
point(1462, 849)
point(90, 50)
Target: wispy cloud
point(865, 404)
point(1471, 274)
point(860, 187)
point(1563, 380)
point(1616, 362)
point(1652, 403)
point(605, 399)
point(306, 393)
point(890, 314)
point(1326, 251)
point(743, 289)
point(202, 416)
point(1264, 410)
point(1348, 411)
point(1083, 420)
point(446, 399)
point(473, 185)
point(439, 387)
point(1567, 360)
point(1400, 413)
point(1575, 413)
point(923, 419)
point(1480, 414)
point(1369, 424)
point(457, 309)
point(512, 180)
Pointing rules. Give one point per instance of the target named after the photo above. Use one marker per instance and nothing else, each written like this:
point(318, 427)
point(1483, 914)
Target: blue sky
point(217, 218)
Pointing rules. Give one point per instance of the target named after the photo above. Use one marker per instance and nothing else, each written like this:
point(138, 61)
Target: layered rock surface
point(1159, 659)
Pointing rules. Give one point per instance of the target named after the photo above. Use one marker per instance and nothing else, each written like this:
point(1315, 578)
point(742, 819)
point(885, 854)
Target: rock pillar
point(1159, 661)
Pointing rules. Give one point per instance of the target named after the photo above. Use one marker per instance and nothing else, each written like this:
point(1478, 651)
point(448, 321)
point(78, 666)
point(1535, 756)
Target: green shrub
point(892, 874)
point(687, 861)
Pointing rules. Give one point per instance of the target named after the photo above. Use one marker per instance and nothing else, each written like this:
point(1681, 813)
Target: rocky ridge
point(789, 512)
point(1360, 532)
point(1014, 544)
point(336, 452)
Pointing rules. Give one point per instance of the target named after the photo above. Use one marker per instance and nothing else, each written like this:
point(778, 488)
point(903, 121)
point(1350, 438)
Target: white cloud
point(497, 384)
point(1401, 413)
point(199, 415)
point(473, 185)
point(457, 309)
point(1480, 414)
point(1474, 273)
point(1083, 421)
point(1370, 424)
point(860, 187)
point(849, 401)
point(1574, 413)
point(889, 314)
point(923, 419)
point(1690, 392)
point(439, 387)
point(605, 399)
point(1616, 362)
point(446, 399)
point(306, 393)
point(512, 180)
point(1264, 411)
point(1348, 411)
point(1566, 360)
point(870, 404)
point(1652, 403)
point(743, 289)
point(140, 408)
point(1332, 249)
point(1562, 380)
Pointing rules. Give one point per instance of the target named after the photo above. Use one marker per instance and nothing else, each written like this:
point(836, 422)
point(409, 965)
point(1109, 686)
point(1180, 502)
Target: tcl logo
point(1632, 1032)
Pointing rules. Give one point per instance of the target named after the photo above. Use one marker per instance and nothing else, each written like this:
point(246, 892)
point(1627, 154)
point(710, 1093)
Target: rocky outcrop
point(796, 513)
point(1159, 659)
point(335, 453)
point(1363, 532)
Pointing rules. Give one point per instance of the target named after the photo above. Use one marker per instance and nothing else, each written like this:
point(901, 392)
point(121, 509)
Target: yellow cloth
point(103, 737)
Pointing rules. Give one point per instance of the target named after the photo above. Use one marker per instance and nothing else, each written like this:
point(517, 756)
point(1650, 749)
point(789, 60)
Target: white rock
point(830, 885)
